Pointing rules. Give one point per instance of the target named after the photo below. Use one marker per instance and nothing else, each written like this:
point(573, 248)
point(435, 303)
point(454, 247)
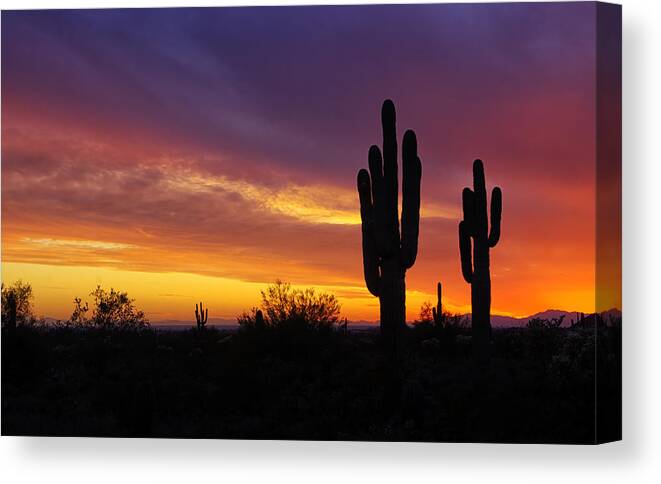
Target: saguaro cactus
point(201, 316)
point(387, 254)
point(475, 269)
point(437, 312)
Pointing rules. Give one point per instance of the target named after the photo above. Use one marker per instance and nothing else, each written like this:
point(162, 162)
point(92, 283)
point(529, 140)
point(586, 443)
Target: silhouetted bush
point(283, 307)
point(112, 310)
point(544, 339)
point(18, 294)
point(440, 332)
point(426, 314)
point(447, 320)
point(540, 323)
point(251, 320)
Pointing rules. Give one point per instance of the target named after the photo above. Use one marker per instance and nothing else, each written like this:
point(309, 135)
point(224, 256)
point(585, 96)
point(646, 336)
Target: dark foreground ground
point(305, 384)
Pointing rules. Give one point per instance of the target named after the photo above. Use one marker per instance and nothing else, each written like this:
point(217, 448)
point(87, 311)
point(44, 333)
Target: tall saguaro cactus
point(387, 253)
point(475, 266)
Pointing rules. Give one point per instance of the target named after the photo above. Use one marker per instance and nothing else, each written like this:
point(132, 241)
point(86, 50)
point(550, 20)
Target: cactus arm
point(197, 315)
point(468, 204)
point(412, 173)
point(378, 198)
point(390, 181)
point(206, 315)
point(370, 257)
point(465, 252)
point(496, 210)
point(437, 312)
point(480, 194)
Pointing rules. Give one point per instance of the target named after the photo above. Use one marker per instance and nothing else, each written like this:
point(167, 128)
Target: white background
point(635, 459)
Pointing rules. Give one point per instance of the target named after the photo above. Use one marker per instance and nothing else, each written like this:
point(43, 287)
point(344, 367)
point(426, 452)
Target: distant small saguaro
point(437, 312)
point(201, 316)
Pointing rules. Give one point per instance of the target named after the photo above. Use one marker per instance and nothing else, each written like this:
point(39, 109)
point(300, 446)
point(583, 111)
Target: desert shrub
point(21, 293)
point(539, 323)
point(457, 322)
point(543, 339)
point(249, 320)
point(448, 320)
point(442, 333)
point(424, 325)
point(112, 310)
point(426, 315)
point(283, 306)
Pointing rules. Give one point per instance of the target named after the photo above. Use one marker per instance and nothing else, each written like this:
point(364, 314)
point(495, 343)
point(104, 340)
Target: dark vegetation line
point(294, 371)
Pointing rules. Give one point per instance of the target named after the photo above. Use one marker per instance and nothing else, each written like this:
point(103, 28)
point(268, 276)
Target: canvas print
point(368, 222)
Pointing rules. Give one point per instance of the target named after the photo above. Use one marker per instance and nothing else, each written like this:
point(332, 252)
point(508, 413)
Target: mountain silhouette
point(498, 321)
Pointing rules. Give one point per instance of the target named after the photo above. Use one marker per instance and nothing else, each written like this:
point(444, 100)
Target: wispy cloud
point(77, 244)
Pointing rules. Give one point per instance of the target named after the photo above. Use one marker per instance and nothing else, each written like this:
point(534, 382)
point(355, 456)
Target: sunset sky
point(199, 154)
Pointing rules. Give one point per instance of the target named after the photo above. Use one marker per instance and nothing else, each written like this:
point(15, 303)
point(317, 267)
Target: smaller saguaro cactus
point(437, 312)
point(474, 230)
point(201, 316)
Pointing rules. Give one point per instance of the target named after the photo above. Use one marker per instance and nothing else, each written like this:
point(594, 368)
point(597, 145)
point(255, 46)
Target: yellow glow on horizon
point(163, 296)
point(173, 295)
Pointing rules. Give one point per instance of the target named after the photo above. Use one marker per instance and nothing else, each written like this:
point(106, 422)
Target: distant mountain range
point(496, 320)
point(511, 322)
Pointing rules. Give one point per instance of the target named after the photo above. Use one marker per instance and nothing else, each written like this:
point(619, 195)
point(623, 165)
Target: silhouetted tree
point(17, 304)
point(387, 253)
point(426, 314)
point(475, 266)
